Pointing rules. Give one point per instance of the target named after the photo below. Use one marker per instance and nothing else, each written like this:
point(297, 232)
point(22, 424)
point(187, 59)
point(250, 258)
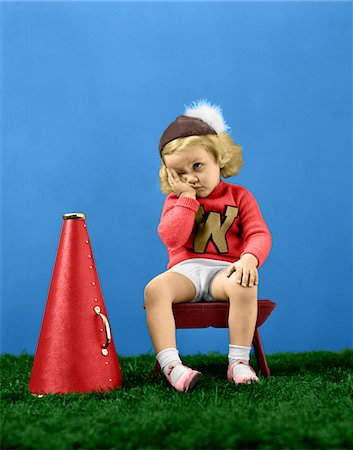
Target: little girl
point(216, 239)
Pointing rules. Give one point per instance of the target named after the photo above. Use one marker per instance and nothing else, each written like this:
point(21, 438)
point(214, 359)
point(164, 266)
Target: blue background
point(87, 90)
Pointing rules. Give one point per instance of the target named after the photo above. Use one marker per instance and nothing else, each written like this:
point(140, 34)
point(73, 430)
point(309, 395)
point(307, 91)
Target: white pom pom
point(211, 114)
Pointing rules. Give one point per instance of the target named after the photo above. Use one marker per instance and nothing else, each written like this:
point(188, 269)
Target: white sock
point(168, 356)
point(237, 352)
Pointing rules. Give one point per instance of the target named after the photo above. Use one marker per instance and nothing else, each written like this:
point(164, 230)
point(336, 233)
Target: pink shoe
point(238, 379)
point(188, 379)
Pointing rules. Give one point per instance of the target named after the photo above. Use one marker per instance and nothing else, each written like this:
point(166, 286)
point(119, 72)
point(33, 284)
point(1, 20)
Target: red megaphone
point(75, 351)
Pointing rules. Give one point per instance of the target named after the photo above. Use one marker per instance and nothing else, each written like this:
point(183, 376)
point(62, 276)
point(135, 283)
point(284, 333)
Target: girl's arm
point(177, 220)
point(255, 231)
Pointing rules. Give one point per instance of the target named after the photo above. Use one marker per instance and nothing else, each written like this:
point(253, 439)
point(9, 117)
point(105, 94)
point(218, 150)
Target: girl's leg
point(242, 307)
point(160, 293)
point(241, 322)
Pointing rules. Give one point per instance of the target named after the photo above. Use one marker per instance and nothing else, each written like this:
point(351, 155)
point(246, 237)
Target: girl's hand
point(180, 188)
point(246, 271)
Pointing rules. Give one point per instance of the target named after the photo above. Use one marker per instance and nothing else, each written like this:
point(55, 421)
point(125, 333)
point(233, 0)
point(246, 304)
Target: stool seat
point(213, 314)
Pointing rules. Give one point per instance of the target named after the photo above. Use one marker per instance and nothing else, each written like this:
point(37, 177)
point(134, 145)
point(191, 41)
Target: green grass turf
point(305, 404)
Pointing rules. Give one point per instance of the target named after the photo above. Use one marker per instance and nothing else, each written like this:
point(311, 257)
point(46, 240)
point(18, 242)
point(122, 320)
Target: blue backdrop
point(87, 90)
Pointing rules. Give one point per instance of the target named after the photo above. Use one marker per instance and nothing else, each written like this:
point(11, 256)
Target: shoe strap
point(172, 365)
point(242, 361)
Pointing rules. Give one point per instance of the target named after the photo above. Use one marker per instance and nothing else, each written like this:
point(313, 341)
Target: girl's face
point(196, 167)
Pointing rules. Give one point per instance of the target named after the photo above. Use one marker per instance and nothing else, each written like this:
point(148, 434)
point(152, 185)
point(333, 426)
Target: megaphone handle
point(107, 329)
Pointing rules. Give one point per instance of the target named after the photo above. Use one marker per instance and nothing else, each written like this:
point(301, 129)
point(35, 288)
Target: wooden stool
point(215, 314)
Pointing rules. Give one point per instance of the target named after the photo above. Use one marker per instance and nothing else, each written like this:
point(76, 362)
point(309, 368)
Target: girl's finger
point(175, 175)
point(170, 172)
point(245, 277)
point(239, 274)
point(170, 179)
point(252, 278)
point(230, 270)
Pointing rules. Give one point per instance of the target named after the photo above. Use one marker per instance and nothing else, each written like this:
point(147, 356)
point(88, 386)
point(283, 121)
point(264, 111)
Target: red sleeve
point(177, 220)
point(256, 234)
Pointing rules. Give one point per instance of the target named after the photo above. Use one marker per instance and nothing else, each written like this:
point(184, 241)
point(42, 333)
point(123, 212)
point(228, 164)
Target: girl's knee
point(239, 292)
point(151, 291)
point(155, 291)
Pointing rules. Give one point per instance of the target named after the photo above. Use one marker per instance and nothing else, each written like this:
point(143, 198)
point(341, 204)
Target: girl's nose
point(189, 178)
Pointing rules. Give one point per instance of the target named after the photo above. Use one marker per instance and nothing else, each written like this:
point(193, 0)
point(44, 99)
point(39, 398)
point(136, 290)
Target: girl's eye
point(197, 166)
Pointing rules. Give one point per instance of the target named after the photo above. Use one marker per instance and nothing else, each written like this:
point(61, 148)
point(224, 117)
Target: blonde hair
point(227, 154)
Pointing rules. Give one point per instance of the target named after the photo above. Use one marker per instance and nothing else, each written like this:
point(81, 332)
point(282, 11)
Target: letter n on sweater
point(210, 226)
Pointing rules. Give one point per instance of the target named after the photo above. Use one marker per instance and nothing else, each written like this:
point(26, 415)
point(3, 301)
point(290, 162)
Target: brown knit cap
point(184, 126)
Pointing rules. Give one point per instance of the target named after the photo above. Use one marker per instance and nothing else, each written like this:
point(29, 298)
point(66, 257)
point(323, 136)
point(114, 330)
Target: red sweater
point(223, 226)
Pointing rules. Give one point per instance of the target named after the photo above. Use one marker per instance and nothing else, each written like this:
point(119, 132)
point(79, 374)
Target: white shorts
point(201, 272)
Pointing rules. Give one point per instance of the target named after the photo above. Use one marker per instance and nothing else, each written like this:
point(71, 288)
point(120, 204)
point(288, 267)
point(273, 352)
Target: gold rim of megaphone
point(68, 216)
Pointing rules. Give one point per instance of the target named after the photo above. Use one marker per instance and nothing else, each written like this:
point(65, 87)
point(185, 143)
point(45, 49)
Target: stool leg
point(260, 355)
point(156, 370)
